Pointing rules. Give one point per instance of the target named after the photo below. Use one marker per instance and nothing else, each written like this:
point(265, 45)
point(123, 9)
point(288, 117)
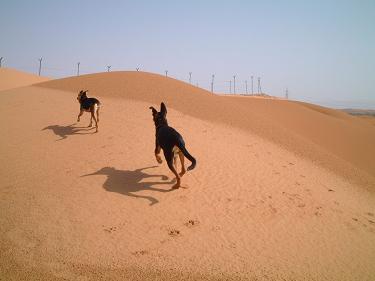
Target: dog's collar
point(162, 124)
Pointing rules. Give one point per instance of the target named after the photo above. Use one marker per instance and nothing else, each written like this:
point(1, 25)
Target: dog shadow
point(129, 182)
point(64, 131)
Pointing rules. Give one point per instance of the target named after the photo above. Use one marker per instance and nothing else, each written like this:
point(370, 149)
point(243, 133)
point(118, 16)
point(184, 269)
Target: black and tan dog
point(172, 144)
point(91, 105)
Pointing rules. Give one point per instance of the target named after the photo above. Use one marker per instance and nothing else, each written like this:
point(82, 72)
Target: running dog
point(91, 105)
point(172, 144)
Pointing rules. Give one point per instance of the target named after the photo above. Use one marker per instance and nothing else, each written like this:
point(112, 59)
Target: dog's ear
point(154, 111)
point(163, 109)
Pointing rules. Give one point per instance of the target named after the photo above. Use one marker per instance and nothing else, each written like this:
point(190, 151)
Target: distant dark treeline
point(351, 111)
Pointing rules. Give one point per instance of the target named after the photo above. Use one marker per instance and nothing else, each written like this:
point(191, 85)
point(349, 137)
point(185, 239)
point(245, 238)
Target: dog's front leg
point(157, 152)
point(80, 114)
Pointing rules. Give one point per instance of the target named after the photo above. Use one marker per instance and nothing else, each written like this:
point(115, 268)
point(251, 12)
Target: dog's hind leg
point(182, 158)
point(93, 117)
point(97, 113)
point(169, 158)
point(175, 160)
point(90, 125)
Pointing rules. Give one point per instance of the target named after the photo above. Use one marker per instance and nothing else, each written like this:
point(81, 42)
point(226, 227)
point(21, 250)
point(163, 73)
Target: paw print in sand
point(192, 223)
point(174, 232)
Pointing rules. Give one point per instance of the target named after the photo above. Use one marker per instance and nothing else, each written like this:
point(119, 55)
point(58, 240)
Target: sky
point(322, 51)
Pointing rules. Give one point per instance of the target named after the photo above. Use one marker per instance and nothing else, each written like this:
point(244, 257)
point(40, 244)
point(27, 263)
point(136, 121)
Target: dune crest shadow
point(129, 182)
point(64, 131)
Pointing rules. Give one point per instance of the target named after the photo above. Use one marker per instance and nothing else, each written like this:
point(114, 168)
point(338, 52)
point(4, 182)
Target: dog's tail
point(188, 156)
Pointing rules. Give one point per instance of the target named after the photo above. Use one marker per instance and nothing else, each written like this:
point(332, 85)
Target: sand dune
point(270, 198)
point(11, 78)
point(335, 139)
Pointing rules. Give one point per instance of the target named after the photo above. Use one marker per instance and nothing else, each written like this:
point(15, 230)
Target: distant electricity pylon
point(1, 59)
point(166, 73)
point(40, 65)
point(258, 85)
point(190, 77)
point(78, 63)
point(137, 68)
point(212, 83)
point(287, 93)
point(234, 84)
point(252, 85)
point(108, 67)
point(230, 86)
point(246, 86)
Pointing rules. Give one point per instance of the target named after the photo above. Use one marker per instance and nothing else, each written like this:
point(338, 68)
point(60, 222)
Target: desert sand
point(368, 118)
point(282, 190)
point(12, 78)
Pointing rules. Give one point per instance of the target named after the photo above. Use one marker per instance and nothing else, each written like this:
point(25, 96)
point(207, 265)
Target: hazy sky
point(323, 51)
